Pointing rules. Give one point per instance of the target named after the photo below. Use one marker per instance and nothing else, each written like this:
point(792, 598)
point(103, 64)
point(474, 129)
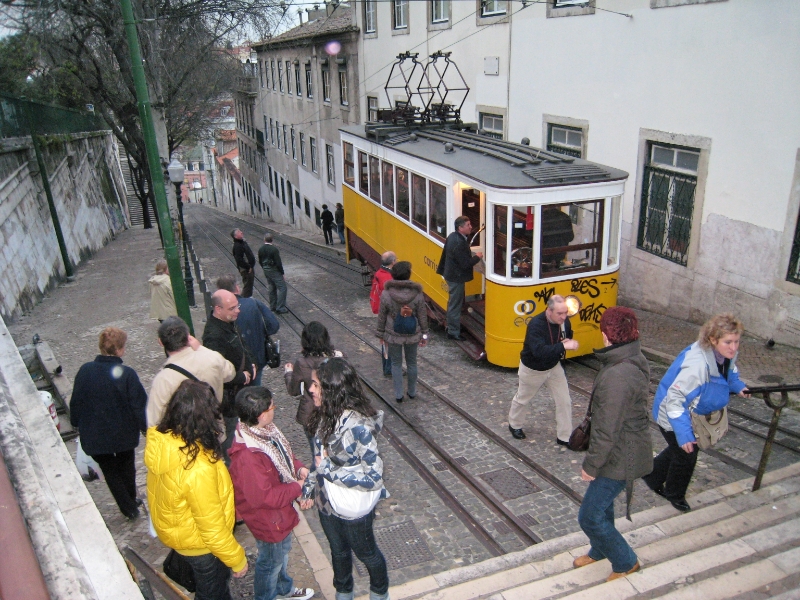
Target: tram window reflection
point(500, 239)
point(363, 173)
point(375, 179)
point(438, 210)
point(522, 241)
point(419, 215)
point(349, 165)
point(572, 238)
point(387, 181)
point(402, 192)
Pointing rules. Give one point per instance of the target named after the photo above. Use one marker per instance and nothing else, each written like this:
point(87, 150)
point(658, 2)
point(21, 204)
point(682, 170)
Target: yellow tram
point(547, 224)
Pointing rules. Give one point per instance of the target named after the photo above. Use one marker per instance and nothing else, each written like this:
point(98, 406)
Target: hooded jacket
point(162, 303)
point(192, 508)
point(693, 383)
point(395, 295)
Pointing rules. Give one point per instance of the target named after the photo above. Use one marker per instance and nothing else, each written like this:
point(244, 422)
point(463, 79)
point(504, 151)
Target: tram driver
point(556, 233)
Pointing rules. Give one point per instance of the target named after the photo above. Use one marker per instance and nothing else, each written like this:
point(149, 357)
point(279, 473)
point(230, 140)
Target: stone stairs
point(734, 543)
point(134, 206)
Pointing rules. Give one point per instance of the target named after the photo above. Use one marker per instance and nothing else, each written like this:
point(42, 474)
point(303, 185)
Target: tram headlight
point(574, 305)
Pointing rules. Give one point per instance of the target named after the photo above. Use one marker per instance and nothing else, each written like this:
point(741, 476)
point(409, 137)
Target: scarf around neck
point(274, 444)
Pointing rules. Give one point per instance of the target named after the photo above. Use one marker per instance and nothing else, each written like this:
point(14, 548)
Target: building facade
point(307, 82)
point(696, 99)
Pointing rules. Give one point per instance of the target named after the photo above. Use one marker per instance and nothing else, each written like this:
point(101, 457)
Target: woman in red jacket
point(267, 479)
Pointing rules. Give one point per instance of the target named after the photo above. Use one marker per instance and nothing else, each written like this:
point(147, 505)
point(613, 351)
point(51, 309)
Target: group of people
point(330, 220)
point(698, 382)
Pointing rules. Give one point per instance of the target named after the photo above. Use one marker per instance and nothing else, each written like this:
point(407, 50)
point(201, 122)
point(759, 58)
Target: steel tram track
point(475, 486)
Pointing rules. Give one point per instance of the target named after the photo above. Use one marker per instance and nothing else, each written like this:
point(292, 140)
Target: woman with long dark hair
point(190, 491)
point(348, 477)
point(316, 347)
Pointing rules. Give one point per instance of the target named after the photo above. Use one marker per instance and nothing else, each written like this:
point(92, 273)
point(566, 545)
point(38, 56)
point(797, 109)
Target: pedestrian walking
point(108, 409)
point(547, 337)
point(245, 262)
point(699, 382)
point(347, 479)
point(403, 326)
point(162, 302)
point(339, 214)
point(455, 265)
point(267, 479)
point(327, 224)
point(379, 279)
point(190, 492)
point(620, 449)
point(269, 257)
point(255, 322)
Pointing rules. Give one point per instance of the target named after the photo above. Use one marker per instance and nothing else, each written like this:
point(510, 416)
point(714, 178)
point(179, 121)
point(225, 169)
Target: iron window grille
point(400, 14)
point(370, 18)
point(793, 274)
point(329, 163)
point(326, 85)
point(668, 195)
point(313, 145)
point(439, 11)
point(343, 88)
point(565, 140)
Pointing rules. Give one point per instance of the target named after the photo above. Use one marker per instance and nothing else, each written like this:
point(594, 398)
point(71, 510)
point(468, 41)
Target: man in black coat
point(245, 261)
point(327, 224)
point(547, 338)
point(455, 266)
point(269, 257)
point(221, 335)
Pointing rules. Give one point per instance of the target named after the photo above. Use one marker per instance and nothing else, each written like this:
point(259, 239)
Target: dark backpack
point(405, 323)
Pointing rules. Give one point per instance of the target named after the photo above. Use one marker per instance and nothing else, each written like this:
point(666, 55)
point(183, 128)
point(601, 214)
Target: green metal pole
point(62, 246)
point(154, 162)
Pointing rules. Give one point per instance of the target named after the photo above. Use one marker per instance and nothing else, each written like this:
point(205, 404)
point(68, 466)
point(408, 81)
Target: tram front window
point(572, 238)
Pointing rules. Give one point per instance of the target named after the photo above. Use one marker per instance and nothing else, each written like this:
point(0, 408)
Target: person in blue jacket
point(700, 380)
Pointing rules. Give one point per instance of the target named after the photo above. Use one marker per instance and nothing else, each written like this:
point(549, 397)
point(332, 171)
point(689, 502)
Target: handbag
point(177, 568)
point(709, 429)
point(272, 349)
point(579, 439)
point(351, 503)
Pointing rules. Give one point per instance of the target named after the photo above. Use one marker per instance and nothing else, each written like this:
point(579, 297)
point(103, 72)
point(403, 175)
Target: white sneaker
point(299, 594)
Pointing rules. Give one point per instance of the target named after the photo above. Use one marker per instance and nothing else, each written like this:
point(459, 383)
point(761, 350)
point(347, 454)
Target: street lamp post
point(175, 170)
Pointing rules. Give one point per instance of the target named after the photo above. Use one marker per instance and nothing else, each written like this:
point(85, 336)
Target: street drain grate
point(509, 483)
point(528, 519)
point(440, 466)
point(401, 544)
point(461, 460)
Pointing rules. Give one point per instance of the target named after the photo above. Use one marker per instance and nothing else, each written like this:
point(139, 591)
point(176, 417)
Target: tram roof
point(496, 163)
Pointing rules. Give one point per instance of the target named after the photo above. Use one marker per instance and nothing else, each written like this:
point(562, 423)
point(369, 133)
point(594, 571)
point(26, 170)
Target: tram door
point(472, 208)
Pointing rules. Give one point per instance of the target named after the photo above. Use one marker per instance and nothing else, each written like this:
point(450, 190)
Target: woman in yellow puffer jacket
point(190, 492)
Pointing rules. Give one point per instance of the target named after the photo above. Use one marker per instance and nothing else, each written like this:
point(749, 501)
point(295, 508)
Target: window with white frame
point(669, 185)
point(271, 132)
point(372, 109)
point(309, 82)
point(491, 125)
point(280, 76)
point(326, 85)
point(440, 11)
point(343, 100)
point(260, 74)
point(492, 8)
point(274, 79)
point(329, 160)
point(303, 149)
point(278, 133)
point(285, 144)
point(370, 16)
point(266, 72)
point(294, 145)
point(298, 86)
point(288, 77)
point(313, 145)
point(400, 14)
point(565, 140)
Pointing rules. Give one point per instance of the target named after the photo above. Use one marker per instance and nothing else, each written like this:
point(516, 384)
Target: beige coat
point(162, 304)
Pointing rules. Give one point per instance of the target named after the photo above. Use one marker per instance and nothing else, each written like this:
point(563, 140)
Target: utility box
point(491, 65)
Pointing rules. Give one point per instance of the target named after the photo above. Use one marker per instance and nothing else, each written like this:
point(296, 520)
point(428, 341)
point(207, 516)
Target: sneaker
point(299, 594)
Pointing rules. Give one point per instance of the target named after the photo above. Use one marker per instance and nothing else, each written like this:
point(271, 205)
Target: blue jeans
point(455, 302)
point(277, 290)
point(271, 577)
point(211, 577)
point(396, 356)
point(596, 518)
point(340, 231)
point(355, 535)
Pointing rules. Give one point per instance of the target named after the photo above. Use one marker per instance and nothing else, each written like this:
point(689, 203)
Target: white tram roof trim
point(496, 163)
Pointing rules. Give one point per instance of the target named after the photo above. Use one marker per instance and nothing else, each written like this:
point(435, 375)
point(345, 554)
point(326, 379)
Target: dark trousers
point(248, 276)
point(120, 473)
point(354, 535)
point(672, 469)
point(455, 302)
point(328, 231)
point(211, 577)
point(230, 431)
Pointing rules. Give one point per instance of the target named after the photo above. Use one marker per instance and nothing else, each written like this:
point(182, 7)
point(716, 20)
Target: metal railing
point(776, 407)
point(47, 118)
point(149, 580)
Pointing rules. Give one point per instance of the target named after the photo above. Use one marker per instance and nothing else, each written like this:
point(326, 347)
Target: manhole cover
point(402, 545)
point(509, 483)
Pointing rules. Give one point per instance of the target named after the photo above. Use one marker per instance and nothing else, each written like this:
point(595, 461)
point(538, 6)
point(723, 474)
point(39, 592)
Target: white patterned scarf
point(274, 444)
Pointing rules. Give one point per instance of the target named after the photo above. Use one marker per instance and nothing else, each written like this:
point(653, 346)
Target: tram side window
point(363, 173)
point(349, 165)
point(572, 238)
point(437, 211)
point(387, 182)
point(522, 241)
point(500, 239)
point(419, 215)
point(375, 179)
point(402, 193)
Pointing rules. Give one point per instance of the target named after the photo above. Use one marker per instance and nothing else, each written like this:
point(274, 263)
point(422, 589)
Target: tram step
point(474, 328)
